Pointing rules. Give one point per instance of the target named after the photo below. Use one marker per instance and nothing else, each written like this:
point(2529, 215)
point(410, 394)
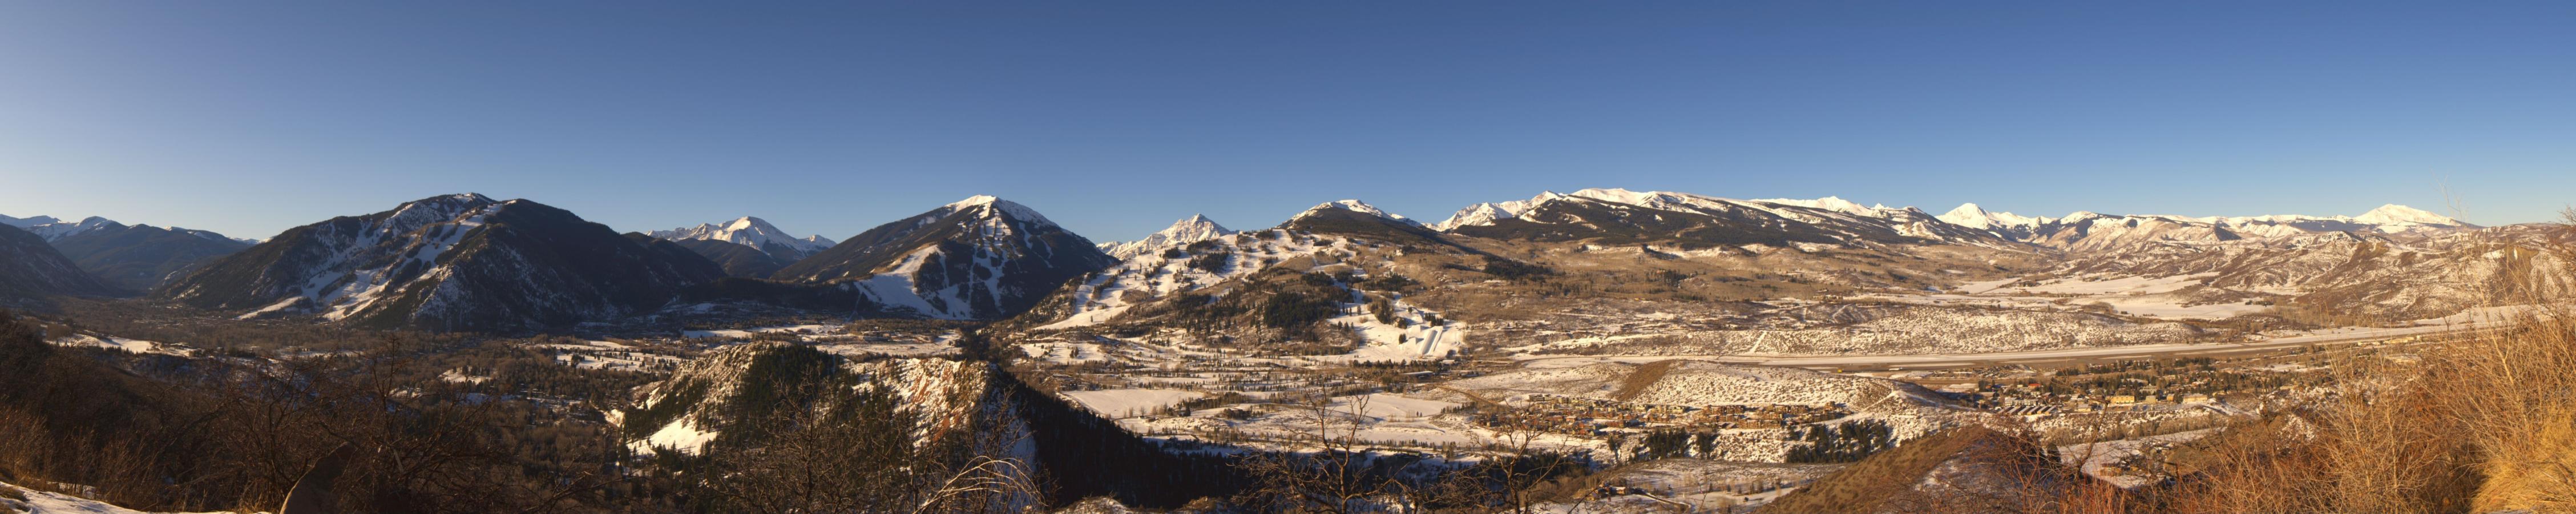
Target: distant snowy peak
point(1485, 214)
point(1620, 216)
point(746, 231)
point(1352, 206)
point(1193, 229)
point(53, 229)
point(1971, 216)
point(2393, 214)
point(1830, 203)
point(2087, 230)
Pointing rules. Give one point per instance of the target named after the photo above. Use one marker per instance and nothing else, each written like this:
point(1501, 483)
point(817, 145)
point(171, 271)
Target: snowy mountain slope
point(1335, 293)
point(455, 262)
point(2358, 273)
point(1619, 216)
point(31, 269)
point(1357, 218)
point(1193, 229)
point(978, 258)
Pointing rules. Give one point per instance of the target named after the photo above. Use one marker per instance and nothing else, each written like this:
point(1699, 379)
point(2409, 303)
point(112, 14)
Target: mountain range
point(468, 262)
point(129, 257)
point(2096, 232)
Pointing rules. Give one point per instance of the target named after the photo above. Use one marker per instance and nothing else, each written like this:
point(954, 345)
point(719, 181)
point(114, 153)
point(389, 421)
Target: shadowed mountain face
point(458, 262)
point(31, 269)
point(140, 257)
point(981, 258)
point(737, 260)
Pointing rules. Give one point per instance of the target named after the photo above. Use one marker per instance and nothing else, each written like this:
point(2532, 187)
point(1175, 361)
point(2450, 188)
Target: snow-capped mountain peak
point(2393, 214)
point(980, 258)
point(747, 231)
point(55, 229)
point(1972, 216)
point(1193, 229)
point(1830, 203)
point(1489, 212)
point(1000, 206)
point(1353, 206)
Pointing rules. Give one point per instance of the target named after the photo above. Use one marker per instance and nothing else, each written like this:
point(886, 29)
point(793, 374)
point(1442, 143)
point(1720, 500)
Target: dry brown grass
point(1645, 376)
point(2480, 425)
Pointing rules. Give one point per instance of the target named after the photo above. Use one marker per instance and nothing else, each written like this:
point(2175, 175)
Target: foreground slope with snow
point(733, 389)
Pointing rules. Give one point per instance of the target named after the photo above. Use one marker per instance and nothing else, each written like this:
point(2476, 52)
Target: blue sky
point(1115, 118)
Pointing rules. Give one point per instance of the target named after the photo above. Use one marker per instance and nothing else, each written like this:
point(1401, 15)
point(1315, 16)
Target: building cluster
point(1579, 416)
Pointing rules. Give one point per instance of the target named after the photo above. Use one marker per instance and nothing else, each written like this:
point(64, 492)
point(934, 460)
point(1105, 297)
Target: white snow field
point(1120, 403)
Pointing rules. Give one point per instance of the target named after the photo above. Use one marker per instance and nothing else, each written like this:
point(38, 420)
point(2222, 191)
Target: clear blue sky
point(1115, 118)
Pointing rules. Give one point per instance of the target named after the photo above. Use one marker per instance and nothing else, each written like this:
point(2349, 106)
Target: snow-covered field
point(134, 346)
point(44, 502)
point(608, 355)
point(1120, 403)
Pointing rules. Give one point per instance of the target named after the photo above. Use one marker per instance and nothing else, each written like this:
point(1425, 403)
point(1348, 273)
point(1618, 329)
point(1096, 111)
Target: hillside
point(978, 258)
point(31, 270)
point(140, 257)
point(457, 262)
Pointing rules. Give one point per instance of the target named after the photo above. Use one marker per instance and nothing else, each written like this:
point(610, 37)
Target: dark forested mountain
point(139, 257)
point(979, 258)
point(736, 259)
point(31, 269)
point(456, 262)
